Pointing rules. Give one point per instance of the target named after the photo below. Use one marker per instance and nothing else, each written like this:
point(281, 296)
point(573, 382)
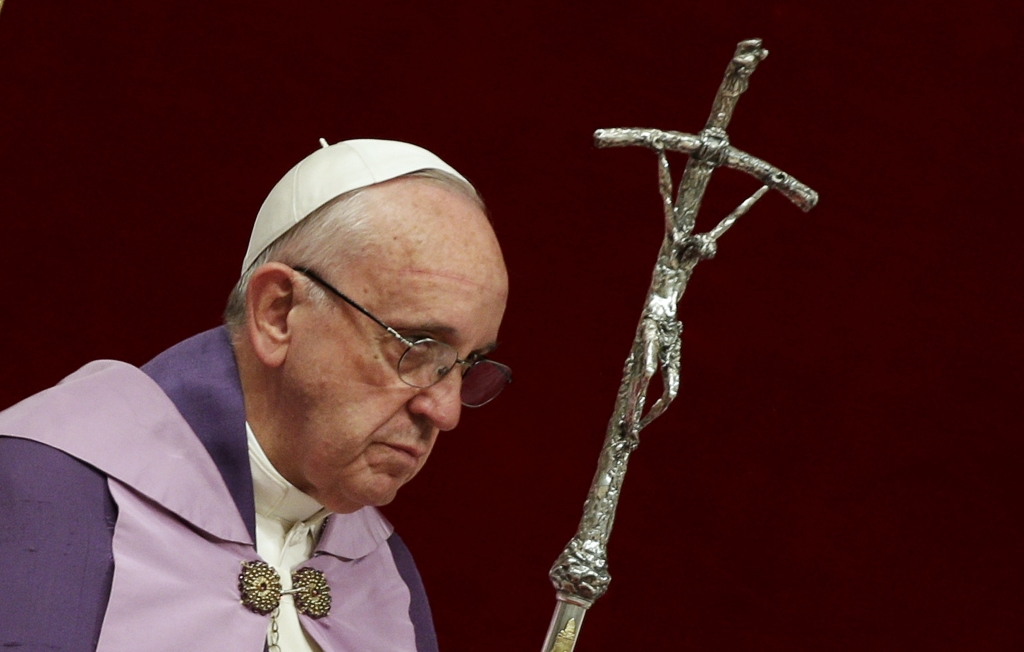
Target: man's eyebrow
point(435, 328)
point(486, 349)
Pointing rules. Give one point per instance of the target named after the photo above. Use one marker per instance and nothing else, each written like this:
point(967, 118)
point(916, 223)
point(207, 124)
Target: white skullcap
point(328, 173)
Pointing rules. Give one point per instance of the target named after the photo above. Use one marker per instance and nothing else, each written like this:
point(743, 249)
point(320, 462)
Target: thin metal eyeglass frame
point(466, 364)
point(313, 276)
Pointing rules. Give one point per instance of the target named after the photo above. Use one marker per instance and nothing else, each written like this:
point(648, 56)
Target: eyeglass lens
point(428, 361)
point(483, 382)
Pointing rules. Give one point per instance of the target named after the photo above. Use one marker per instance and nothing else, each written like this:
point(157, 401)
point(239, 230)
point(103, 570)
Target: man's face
point(432, 269)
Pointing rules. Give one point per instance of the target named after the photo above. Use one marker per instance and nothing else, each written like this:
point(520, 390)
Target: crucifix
point(580, 574)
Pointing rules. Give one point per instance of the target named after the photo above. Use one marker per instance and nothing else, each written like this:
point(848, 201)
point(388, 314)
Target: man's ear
point(268, 303)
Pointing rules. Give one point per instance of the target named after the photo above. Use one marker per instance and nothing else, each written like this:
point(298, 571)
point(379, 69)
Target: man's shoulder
point(38, 474)
point(94, 380)
point(115, 418)
point(103, 396)
point(40, 477)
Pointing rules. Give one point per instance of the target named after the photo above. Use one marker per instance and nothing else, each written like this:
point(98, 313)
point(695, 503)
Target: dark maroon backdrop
point(841, 469)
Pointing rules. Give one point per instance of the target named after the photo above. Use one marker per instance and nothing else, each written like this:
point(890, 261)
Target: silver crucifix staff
point(580, 574)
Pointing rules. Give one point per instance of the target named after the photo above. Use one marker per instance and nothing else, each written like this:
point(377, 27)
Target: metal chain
point(274, 635)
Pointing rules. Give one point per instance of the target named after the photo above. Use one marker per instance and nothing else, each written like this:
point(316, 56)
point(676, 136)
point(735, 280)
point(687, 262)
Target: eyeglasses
point(426, 360)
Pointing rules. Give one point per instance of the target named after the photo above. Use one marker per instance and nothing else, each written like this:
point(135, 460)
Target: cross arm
point(676, 141)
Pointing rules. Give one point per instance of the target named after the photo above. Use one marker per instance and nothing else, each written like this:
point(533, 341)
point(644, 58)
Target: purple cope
point(126, 505)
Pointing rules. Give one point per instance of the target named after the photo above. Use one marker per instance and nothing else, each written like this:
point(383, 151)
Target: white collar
point(276, 497)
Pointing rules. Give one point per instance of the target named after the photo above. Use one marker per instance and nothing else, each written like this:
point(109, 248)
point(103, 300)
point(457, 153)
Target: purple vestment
point(154, 472)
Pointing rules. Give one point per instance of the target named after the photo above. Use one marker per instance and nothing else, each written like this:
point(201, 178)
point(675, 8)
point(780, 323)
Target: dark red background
point(841, 469)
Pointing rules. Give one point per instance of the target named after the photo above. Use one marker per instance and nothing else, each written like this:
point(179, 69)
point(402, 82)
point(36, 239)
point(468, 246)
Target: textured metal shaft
point(580, 574)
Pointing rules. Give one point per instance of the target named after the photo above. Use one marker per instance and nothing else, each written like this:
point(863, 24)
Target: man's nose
point(441, 403)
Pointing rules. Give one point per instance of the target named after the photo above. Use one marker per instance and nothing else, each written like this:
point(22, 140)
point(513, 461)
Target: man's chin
point(351, 501)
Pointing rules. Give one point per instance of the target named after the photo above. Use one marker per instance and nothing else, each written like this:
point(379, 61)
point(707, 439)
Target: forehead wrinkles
point(431, 295)
point(470, 281)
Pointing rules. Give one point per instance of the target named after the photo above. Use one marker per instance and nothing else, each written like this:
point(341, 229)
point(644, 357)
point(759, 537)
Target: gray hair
point(338, 227)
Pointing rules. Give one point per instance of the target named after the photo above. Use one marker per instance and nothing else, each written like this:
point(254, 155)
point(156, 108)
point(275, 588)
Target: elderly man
point(222, 496)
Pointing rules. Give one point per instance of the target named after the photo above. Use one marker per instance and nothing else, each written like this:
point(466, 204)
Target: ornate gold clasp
point(260, 586)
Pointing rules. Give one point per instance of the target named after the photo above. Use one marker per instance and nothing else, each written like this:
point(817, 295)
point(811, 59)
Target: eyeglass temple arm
point(305, 271)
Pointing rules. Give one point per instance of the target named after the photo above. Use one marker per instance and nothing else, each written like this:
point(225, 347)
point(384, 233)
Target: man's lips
point(411, 450)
